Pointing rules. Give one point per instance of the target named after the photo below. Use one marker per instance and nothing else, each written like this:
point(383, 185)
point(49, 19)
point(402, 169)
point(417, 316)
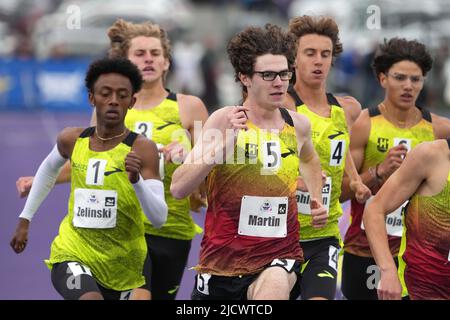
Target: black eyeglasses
point(271, 75)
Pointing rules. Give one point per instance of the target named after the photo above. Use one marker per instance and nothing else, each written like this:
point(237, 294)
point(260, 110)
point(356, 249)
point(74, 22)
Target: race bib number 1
point(95, 174)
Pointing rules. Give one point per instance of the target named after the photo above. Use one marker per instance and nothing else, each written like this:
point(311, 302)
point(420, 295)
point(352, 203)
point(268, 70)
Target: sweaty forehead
point(270, 62)
point(114, 81)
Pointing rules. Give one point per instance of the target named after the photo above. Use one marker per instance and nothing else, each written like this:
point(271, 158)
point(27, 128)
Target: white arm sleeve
point(43, 182)
point(150, 193)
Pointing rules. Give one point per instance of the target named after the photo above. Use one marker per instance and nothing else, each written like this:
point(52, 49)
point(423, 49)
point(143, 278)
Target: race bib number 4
point(263, 216)
point(303, 198)
point(394, 221)
point(96, 209)
point(337, 152)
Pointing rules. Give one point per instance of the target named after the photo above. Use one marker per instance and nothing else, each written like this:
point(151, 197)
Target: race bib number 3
point(144, 128)
point(303, 198)
point(263, 216)
point(96, 209)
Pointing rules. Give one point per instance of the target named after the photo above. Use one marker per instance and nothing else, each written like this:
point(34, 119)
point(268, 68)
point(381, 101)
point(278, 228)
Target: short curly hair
point(400, 49)
point(113, 65)
point(321, 25)
point(252, 42)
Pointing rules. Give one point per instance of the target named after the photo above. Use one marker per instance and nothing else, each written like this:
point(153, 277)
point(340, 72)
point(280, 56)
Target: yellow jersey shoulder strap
point(130, 138)
point(332, 100)
point(374, 111)
point(294, 95)
point(87, 132)
point(172, 95)
point(298, 101)
point(426, 115)
point(287, 117)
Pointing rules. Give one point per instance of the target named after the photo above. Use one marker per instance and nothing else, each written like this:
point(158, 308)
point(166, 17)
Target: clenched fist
point(20, 237)
point(133, 165)
point(23, 185)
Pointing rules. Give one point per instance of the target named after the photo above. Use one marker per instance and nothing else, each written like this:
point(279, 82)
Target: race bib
point(303, 198)
point(263, 216)
point(144, 128)
point(95, 174)
point(394, 222)
point(337, 152)
point(95, 209)
point(404, 141)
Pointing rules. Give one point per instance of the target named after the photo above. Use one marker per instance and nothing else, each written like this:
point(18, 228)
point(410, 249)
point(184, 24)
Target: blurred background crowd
point(47, 45)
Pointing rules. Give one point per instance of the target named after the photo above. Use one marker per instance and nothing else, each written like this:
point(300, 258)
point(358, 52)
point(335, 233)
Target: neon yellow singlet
point(162, 124)
point(103, 228)
point(331, 139)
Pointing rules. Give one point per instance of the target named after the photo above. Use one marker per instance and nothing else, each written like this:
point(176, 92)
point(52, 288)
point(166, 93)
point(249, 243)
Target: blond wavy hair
point(122, 32)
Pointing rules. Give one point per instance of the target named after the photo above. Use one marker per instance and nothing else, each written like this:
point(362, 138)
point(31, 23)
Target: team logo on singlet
point(383, 144)
point(337, 134)
point(167, 123)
